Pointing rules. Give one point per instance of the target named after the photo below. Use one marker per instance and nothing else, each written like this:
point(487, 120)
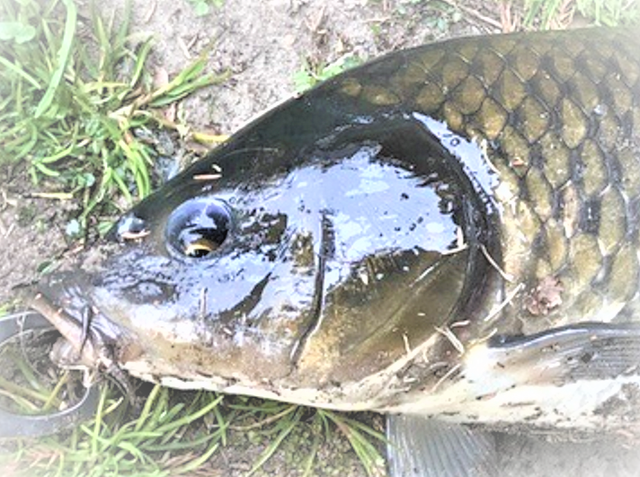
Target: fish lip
point(96, 340)
point(86, 343)
point(62, 300)
point(99, 343)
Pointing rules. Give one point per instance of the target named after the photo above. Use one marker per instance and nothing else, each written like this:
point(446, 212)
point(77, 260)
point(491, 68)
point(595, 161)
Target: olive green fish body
point(557, 116)
point(451, 230)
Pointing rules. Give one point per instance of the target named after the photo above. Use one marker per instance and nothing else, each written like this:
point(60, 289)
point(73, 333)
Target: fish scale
point(558, 115)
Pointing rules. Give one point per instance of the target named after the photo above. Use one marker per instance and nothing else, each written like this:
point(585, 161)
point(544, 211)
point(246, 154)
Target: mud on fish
point(450, 232)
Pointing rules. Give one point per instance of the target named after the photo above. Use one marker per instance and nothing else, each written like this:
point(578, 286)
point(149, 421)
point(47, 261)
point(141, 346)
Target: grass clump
point(554, 13)
point(170, 437)
point(610, 12)
point(281, 425)
point(172, 434)
point(74, 94)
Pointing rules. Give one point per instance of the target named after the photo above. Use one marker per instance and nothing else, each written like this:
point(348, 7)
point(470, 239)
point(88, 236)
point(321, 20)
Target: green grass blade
point(192, 417)
point(195, 463)
point(287, 427)
point(20, 72)
point(141, 58)
point(62, 58)
point(146, 410)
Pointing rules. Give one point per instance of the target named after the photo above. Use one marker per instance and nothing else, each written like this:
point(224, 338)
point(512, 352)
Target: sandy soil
point(262, 44)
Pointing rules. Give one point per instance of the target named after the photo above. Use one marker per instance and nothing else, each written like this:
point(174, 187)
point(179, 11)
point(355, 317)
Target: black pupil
point(198, 228)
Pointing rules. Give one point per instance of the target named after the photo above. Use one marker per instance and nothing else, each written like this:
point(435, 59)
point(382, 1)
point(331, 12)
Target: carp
point(448, 234)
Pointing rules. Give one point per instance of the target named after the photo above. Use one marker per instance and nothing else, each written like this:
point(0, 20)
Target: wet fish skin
point(529, 147)
point(558, 116)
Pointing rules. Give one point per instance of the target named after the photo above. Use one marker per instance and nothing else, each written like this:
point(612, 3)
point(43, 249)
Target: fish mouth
point(87, 344)
point(93, 339)
point(70, 343)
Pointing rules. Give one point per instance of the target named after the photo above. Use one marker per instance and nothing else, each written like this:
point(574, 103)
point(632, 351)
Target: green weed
point(170, 437)
point(75, 93)
point(174, 433)
point(278, 421)
point(177, 433)
point(610, 12)
point(310, 75)
point(360, 436)
point(442, 16)
point(600, 12)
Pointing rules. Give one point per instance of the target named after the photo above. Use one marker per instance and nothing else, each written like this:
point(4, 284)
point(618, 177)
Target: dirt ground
point(263, 44)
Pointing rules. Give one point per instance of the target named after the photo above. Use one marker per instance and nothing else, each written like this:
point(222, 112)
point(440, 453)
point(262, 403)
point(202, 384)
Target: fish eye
point(198, 227)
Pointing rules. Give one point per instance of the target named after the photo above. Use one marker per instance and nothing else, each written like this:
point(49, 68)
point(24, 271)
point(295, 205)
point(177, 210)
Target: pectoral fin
point(423, 447)
point(581, 352)
point(584, 376)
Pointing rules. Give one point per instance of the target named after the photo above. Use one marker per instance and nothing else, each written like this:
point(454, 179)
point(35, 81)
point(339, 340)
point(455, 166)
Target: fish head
point(286, 267)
